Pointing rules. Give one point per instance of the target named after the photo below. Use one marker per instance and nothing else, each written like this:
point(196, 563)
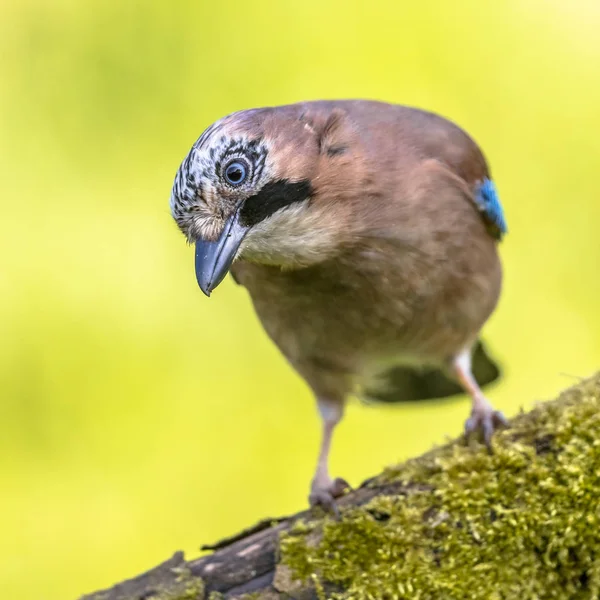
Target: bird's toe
point(325, 495)
point(485, 422)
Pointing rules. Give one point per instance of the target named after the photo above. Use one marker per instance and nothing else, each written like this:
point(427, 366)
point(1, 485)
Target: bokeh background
point(136, 416)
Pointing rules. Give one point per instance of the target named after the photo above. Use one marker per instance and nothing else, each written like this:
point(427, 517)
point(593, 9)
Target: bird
point(366, 234)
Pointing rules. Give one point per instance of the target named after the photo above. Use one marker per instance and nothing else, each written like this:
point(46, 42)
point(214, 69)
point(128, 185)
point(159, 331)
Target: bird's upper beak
point(213, 259)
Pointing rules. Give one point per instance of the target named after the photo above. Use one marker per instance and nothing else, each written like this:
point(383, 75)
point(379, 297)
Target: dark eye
point(235, 172)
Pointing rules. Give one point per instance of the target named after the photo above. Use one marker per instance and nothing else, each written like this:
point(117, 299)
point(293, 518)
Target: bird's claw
point(485, 420)
point(325, 496)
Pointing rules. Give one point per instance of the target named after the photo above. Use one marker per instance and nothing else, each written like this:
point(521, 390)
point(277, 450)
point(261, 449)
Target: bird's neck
point(296, 237)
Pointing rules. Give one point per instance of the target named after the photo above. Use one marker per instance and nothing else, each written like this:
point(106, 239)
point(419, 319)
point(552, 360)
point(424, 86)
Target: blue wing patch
point(488, 202)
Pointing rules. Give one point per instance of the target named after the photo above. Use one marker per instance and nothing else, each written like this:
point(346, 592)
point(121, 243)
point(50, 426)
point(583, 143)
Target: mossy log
point(520, 523)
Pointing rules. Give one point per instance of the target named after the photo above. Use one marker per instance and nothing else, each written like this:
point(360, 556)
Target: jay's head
point(258, 184)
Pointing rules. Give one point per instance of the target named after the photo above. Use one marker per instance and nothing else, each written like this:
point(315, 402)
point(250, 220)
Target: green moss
point(191, 588)
point(185, 587)
point(523, 523)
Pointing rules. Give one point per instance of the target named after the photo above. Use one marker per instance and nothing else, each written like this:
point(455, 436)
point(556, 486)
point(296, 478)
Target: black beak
point(213, 259)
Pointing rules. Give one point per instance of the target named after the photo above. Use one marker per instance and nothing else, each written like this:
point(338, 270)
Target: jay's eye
point(235, 172)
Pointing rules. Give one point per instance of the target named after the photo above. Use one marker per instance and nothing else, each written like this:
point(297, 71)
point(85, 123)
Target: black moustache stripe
point(271, 198)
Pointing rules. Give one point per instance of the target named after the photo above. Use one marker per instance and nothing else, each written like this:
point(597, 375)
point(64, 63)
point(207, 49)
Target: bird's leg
point(483, 416)
point(323, 489)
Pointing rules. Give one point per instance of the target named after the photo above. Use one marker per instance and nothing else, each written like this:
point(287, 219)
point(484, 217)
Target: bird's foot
point(324, 494)
point(485, 420)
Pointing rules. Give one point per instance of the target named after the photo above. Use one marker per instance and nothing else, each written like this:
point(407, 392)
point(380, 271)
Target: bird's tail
point(406, 384)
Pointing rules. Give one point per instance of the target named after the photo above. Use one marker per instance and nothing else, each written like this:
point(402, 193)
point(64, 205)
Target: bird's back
point(399, 132)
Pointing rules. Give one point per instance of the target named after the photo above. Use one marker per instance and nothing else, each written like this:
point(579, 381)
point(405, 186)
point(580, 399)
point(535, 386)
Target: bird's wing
point(406, 384)
point(488, 203)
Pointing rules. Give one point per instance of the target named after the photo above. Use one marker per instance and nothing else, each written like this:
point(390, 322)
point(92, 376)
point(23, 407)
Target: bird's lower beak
point(213, 259)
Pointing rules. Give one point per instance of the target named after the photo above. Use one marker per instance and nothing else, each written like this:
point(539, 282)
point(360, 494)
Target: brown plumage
point(364, 235)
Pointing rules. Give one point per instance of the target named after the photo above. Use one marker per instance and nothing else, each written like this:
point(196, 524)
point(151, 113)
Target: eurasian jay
point(366, 235)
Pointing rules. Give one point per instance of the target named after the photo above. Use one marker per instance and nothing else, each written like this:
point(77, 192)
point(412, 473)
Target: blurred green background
point(136, 416)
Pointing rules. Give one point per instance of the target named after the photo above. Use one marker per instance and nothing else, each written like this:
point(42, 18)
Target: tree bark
point(251, 562)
